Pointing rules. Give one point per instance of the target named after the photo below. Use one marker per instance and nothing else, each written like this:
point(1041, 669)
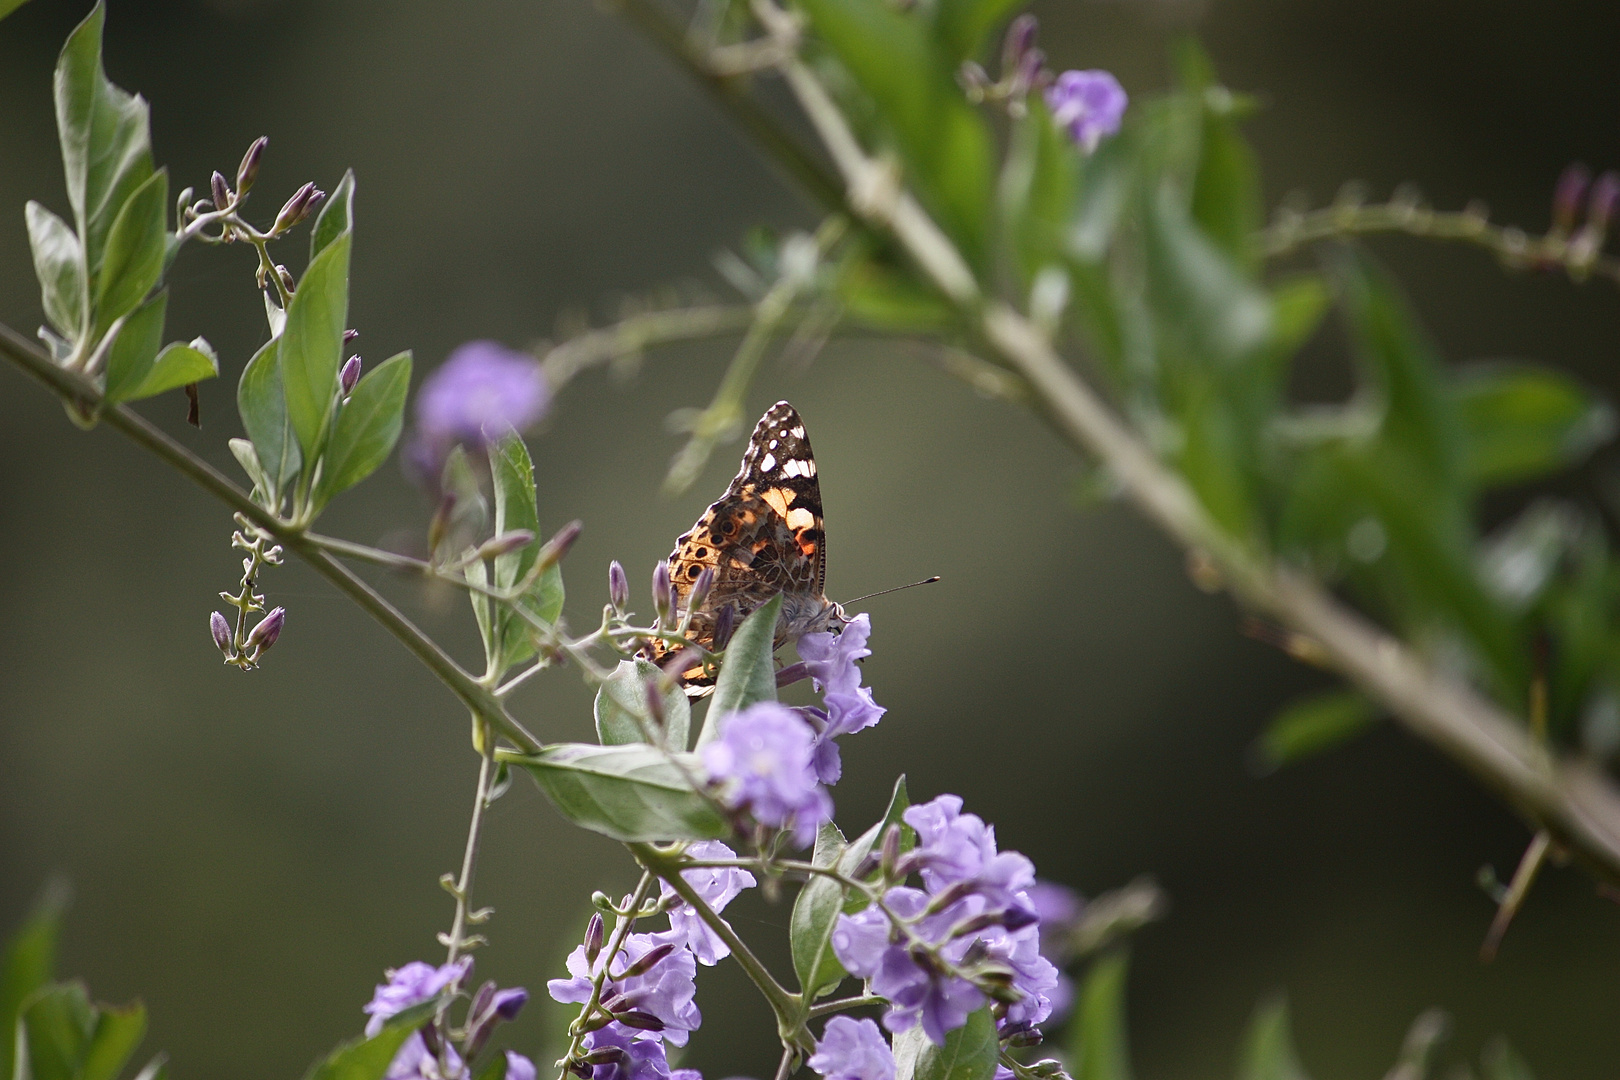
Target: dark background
point(248, 854)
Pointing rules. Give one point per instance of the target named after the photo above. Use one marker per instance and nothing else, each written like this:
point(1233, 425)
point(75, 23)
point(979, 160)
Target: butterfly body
point(764, 537)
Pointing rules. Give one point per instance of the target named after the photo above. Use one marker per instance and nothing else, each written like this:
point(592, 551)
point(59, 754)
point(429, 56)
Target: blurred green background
point(248, 854)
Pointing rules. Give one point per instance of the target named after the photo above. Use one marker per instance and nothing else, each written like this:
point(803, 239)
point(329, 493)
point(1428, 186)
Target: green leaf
point(8, 6)
point(969, 1052)
point(118, 1032)
point(493, 1069)
point(248, 458)
point(54, 1028)
point(135, 349)
point(106, 142)
point(59, 265)
point(1522, 422)
point(1499, 1061)
point(176, 366)
point(1099, 1050)
point(945, 143)
point(816, 909)
point(367, 427)
point(506, 635)
point(1311, 725)
point(624, 715)
point(1197, 288)
point(336, 217)
point(961, 26)
point(1268, 1046)
point(312, 344)
point(748, 672)
point(134, 256)
point(1226, 200)
point(263, 405)
point(27, 964)
point(633, 794)
point(369, 1058)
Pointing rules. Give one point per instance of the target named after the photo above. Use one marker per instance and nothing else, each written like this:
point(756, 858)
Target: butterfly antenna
point(897, 588)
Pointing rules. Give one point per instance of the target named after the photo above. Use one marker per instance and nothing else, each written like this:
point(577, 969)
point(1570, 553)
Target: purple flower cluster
point(973, 915)
point(1089, 104)
point(763, 764)
point(481, 392)
point(415, 983)
point(718, 886)
point(852, 1050)
point(831, 661)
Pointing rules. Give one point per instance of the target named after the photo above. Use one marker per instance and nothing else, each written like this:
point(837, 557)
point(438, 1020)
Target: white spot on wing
point(798, 431)
point(768, 463)
point(773, 444)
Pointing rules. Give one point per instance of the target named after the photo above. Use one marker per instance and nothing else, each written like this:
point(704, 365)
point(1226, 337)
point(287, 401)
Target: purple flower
point(412, 984)
point(853, 1050)
point(1088, 103)
point(718, 886)
point(954, 848)
point(685, 1074)
point(665, 991)
point(518, 1067)
point(414, 1062)
point(636, 1058)
point(831, 661)
point(763, 761)
point(480, 393)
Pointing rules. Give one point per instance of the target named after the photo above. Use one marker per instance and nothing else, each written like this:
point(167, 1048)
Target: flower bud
point(1568, 195)
point(663, 594)
point(795, 672)
point(891, 850)
point(1030, 1037)
point(635, 1018)
point(561, 541)
point(618, 587)
point(1019, 41)
point(505, 544)
point(265, 634)
point(350, 336)
point(593, 939)
point(286, 277)
point(583, 1069)
point(218, 190)
point(349, 375)
point(297, 208)
point(221, 629)
point(653, 957)
point(700, 589)
point(607, 1055)
point(655, 701)
point(1604, 201)
point(248, 171)
point(724, 623)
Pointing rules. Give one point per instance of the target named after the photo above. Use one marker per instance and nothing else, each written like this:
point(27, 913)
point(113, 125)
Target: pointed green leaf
point(1311, 725)
point(1099, 1050)
point(248, 458)
point(1200, 293)
point(135, 349)
point(1499, 1061)
point(312, 344)
point(1226, 187)
point(336, 217)
point(28, 963)
point(624, 715)
point(633, 794)
point(1268, 1047)
point(969, 1052)
point(117, 1034)
point(506, 634)
point(960, 26)
point(493, 1069)
point(176, 366)
point(263, 405)
point(369, 1058)
point(748, 672)
point(1522, 422)
point(54, 1028)
point(367, 426)
point(59, 265)
point(8, 6)
point(106, 144)
point(134, 257)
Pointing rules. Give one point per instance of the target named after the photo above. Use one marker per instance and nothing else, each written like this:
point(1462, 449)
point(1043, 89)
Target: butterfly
point(762, 538)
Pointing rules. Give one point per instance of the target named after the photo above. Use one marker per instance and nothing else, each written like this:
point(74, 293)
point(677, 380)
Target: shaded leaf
point(1268, 1047)
point(28, 963)
point(54, 1028)
point(1226, 200)
point(1311, 725)
point(312, 344)
point(176, 366)
point(369, 1058)
point(335, 218)
point(1499, 1061)
point(134, 256)
point(748, 672)
point(1099, 1050)
point(135, 349)
point(367, 427)
point(1522, 422)
point(506, 634)
point(624, 715)
point(59, 265)
point(632, 794)
point(969, 1052)
point(960, 26)
point(8, 6)
point(263, 406)
point(117, 1034)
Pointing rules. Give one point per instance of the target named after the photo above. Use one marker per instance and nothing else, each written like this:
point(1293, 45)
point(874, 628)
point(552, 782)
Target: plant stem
point(79, 392)
point(458, 942)
point(860, 1001)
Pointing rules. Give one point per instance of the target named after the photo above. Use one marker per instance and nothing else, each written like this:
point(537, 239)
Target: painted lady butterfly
point(763, 537)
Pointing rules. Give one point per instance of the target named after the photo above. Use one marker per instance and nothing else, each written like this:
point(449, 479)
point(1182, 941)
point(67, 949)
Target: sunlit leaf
point(59, 265)
point(632, 794)
point(262, 404)
point(135, 250)
point(312, 344)
point(367, 426)
point(135, 349)
point(1268, 1047)
point(176, 366)
point(969, 1052)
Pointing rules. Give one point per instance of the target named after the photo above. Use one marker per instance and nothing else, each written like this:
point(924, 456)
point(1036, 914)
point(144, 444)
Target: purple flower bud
point(655, 702)
point(505, 544)
point(220, 192)
point(724, 623)
point(297, 208)
point(651, 959)
point(593, 939)
point(556, 549)
point(265, 634)
point(891, 850)
point(700, 589)
point(607, 1055)
point(349, 375)
point(618, 587)
point(642, 1021)
point(662, 594)
point(1089, 104)
point(1604, 201)
point(791, 674)
point(220, 627)
point(350, 336)
point(1568, 195)
point(248, 171)
point(1019, 41)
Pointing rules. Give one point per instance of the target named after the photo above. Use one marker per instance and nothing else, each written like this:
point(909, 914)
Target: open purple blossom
point(718, 886)
point(831, 660)
point(480, 393)
point(763, 764)
point(636, 1058)
point(518, 1067)
point(956, 848)
point(414, 1061)
point(853, 1050)
point(1088, 104)
point(664, 992)
point(410, 985)
point(1058, 908)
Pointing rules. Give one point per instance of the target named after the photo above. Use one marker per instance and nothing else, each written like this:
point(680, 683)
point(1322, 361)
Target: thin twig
point(1523, 877)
